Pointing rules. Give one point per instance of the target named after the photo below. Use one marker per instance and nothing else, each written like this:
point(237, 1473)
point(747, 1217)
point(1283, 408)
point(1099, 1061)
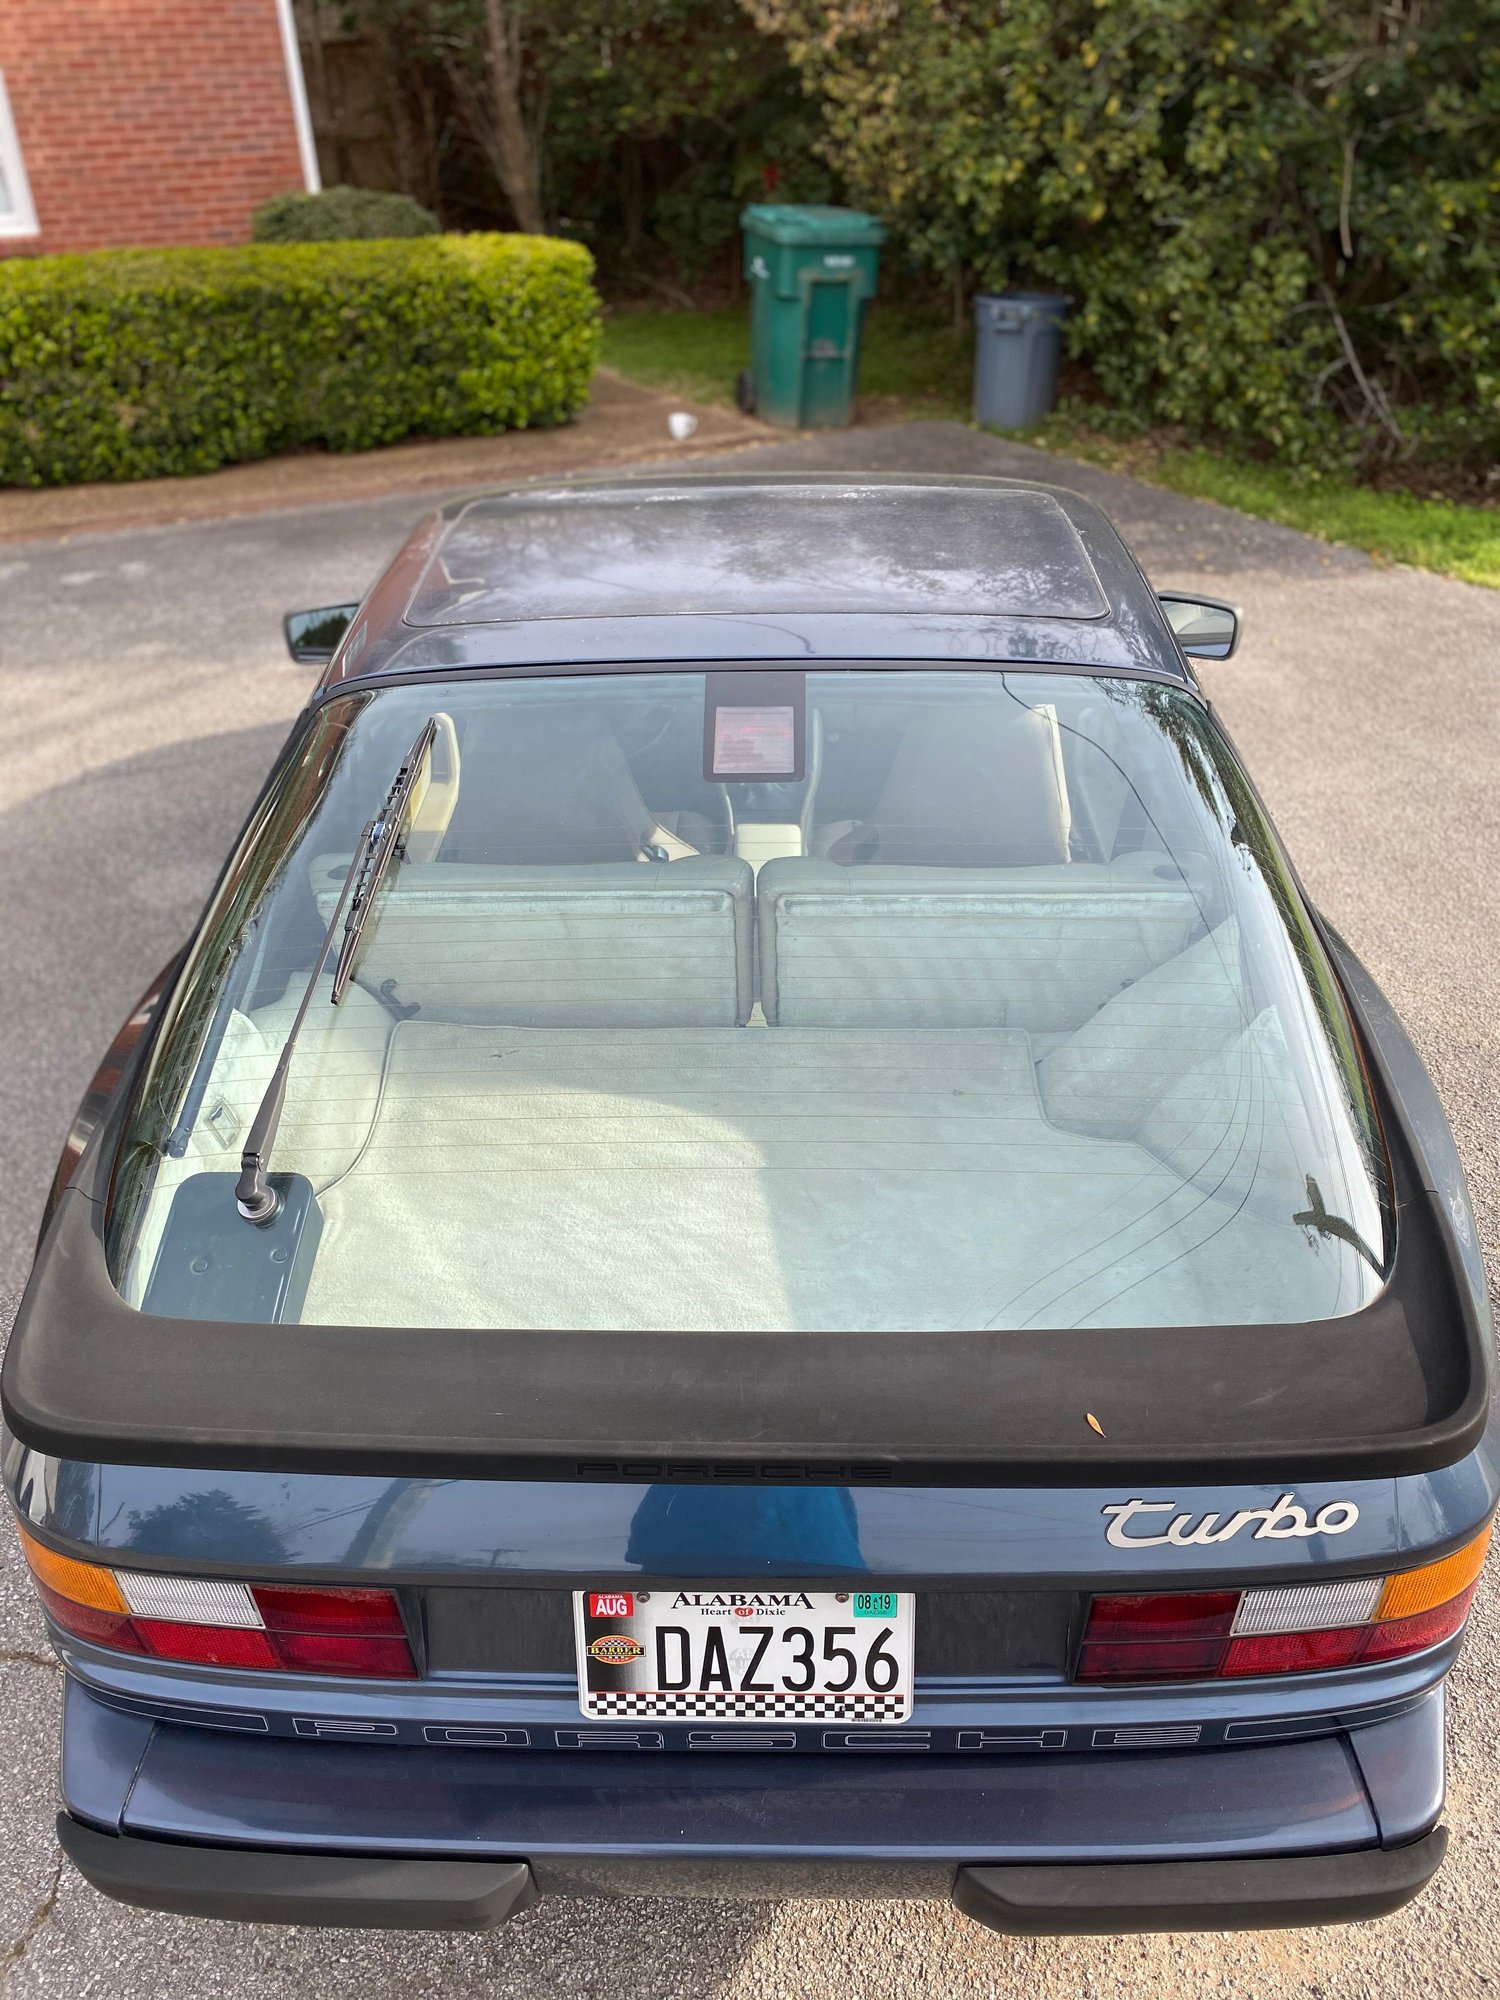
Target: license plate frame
point(629, 1642)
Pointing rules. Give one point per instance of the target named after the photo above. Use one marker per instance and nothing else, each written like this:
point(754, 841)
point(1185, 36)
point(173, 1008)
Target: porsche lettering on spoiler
point(1279, 1522)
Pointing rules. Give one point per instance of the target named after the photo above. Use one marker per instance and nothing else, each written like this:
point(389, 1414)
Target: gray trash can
point(1017, 345)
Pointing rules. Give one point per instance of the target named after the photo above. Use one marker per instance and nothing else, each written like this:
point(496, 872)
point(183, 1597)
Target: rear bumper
point(261, 1886)
point(1331, 1827)
point(396, 1893)
point(1265, 1894)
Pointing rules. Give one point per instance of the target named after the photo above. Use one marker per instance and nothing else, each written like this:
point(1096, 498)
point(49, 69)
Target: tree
point(1276, 216)
point(625, 121)
point(510, 146)
point(480, 48)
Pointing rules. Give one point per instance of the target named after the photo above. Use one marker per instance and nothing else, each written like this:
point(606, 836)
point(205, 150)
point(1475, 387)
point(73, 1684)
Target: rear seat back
point(605, 944)
point(1039, 949)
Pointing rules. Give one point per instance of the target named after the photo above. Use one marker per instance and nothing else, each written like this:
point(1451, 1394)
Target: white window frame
point(307, 147)
point(20, 218)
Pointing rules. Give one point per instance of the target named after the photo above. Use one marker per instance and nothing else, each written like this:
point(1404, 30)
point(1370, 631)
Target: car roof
point(749, 565)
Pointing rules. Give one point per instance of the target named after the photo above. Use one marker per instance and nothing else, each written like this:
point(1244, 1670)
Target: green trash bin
point(811, 272)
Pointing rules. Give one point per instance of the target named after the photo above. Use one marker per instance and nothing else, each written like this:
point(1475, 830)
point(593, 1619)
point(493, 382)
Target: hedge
point(340, 215)
point(134, 364)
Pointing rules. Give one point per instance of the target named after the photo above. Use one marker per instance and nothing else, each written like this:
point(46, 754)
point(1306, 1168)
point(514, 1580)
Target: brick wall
point(147, 121)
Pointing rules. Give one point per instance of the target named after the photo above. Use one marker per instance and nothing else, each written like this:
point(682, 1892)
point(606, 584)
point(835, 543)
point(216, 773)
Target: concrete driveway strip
point(144, 692)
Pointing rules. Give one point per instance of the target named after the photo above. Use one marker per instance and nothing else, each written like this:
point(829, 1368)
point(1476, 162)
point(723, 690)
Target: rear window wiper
point(1333, 1228)
point(380, 844)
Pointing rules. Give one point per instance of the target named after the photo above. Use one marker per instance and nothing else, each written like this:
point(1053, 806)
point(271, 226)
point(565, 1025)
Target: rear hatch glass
point(840, 1001)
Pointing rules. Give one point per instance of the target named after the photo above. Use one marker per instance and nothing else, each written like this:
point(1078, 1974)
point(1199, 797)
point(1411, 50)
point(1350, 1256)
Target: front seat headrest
point(979, 786)
point(556, 788)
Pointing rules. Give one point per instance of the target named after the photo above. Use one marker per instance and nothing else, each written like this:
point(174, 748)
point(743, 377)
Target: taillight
point(1228, 1634)
point(206, 1621)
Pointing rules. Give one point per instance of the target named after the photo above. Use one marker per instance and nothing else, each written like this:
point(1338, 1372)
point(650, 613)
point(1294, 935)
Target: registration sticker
point(611, 1604)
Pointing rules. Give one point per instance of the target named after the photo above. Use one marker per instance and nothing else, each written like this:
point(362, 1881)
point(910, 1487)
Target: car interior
point(953, 1029)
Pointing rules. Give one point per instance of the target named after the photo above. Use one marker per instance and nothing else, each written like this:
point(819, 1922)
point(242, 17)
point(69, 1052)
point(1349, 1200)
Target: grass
point(910, 359)
point(1441, 535)
point(691, 354)
point(915, 366)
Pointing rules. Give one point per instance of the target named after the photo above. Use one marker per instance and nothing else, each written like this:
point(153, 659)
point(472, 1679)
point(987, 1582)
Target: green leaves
point(136, 364)
point(340, 215)
point(1276, 217)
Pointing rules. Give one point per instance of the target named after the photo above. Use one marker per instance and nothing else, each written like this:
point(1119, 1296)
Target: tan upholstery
point(1035, 948)
point(783, 1178)
point(1107, 1076)
point(556, 788)
point(619, 944)
point(977, 786)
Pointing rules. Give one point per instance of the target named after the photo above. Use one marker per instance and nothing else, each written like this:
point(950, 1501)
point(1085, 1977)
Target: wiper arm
point(379, 845)
point(1333, 1228)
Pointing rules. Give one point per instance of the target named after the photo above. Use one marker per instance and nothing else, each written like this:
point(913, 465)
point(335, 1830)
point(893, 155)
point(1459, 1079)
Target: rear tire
point(744, 392)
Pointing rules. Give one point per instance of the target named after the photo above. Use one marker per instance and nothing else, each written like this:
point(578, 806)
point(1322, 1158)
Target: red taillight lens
point(101, 1628)
point(373, 1613)
point(1427, 1628)
point(1169, 1637)
point(1164, 1660)
point(1294, 1652)
point(1186, 1614)
point(1291, 1629)
point(207, 1645)
point(212, 1622)
point(338, 1653)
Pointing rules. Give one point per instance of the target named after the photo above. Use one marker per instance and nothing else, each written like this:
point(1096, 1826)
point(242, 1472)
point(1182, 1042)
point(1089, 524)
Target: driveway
point(144, 692)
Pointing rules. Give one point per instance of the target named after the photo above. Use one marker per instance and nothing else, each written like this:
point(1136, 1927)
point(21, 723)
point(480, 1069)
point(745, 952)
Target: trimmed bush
point(134, 364)
point(340, 215)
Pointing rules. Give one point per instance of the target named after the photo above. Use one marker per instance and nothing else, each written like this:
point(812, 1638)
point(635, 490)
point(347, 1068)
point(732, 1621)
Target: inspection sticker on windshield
point(745, 1655)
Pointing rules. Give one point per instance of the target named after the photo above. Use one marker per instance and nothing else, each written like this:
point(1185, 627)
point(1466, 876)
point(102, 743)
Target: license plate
point(745, 1656)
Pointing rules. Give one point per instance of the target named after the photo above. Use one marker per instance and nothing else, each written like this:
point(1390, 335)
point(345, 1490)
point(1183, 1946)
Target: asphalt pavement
point(143, 693)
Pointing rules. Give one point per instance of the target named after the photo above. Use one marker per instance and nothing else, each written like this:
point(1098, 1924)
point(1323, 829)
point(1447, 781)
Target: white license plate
point(780, 1655)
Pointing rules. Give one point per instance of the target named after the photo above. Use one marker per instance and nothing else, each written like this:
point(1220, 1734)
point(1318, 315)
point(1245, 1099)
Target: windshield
point(846, 1000)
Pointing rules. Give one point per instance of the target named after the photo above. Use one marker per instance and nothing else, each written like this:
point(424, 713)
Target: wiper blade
point(379, 845)
point(383, 839)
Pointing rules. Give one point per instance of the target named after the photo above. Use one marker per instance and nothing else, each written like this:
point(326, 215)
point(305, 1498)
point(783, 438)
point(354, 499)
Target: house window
point(17, 215)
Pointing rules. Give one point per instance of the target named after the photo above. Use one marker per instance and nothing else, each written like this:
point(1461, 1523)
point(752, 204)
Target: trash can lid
point(789, 222)
point(1025, 305)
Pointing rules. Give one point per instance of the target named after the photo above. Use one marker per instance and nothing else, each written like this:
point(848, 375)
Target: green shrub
point(339, 215)
point(132, 364)
point(1277, 221)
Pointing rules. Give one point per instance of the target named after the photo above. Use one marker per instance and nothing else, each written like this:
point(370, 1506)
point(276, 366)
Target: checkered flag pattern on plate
point(693, 1706)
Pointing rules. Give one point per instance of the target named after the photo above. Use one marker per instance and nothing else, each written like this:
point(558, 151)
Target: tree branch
point(1376, 400)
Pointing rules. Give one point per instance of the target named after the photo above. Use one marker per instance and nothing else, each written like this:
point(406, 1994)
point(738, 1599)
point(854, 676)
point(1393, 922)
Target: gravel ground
point(144, 693)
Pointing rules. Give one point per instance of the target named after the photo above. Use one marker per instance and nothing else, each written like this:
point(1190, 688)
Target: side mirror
point(312, 637)
point(1206, 627)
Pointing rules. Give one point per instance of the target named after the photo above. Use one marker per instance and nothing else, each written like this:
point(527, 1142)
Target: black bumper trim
point(261, 1885)
point(264, 1886)
point(1265, 1893)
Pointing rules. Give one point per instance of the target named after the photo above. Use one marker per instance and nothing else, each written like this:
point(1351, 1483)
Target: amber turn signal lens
point(1415, 1590)
point(79, 1582)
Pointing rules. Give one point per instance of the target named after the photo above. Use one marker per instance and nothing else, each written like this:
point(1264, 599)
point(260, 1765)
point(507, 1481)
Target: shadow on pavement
point(104, 878)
